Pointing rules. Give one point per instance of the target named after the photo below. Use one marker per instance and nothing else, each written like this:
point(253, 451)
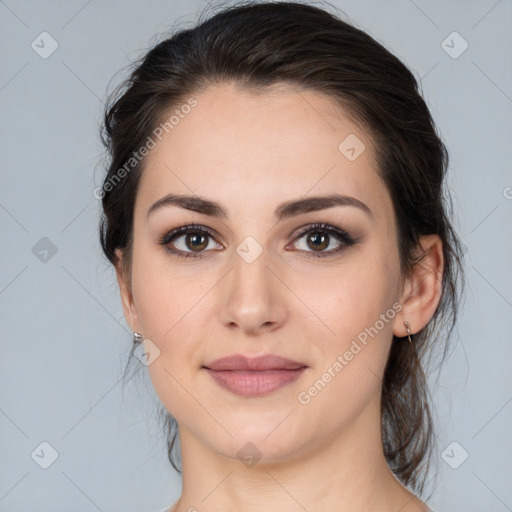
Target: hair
point(259, 44)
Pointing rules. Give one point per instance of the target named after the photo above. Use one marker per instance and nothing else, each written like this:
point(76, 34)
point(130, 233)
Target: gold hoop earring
point(408, 329)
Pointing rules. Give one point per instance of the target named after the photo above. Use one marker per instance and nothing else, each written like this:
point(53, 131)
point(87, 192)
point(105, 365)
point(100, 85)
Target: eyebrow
point(283, 211)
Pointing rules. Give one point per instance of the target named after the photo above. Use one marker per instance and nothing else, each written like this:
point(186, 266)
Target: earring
point(137, 338)
point(408, 329)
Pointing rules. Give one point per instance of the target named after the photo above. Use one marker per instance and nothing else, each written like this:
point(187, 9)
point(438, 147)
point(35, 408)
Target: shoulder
point(172, 508)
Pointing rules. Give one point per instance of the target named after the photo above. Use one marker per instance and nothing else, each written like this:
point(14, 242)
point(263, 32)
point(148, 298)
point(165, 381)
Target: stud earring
point(408, 329)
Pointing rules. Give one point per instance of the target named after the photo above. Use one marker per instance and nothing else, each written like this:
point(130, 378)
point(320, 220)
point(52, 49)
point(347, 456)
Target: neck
point(343, 472)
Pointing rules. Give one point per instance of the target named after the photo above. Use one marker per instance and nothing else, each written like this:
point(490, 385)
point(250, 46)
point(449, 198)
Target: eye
point(321, 236)
point(193, 240)
point(187, 240)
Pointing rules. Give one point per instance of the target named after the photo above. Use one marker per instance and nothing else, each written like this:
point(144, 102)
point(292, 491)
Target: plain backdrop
point(64, 341)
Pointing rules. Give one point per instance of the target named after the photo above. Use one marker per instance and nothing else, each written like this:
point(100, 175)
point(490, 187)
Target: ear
point(422, 290)
point(123, 280)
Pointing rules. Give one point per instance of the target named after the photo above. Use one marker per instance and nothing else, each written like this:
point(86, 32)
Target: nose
point(253, 296)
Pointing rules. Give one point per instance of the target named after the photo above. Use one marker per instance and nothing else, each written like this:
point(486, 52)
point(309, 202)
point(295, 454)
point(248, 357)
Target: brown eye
point(196, 241)
point(188, 241)
point(317, 241)
point(318, 237)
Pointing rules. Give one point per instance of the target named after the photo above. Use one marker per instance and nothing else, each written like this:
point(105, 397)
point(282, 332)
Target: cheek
point(343, 301)
point(352, 358)
point(175, 314)
point(167, 294)
point(351, 329)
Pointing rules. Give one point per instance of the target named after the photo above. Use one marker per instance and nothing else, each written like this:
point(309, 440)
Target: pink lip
point(256, 376)
point(254, 382)
point(266, 362)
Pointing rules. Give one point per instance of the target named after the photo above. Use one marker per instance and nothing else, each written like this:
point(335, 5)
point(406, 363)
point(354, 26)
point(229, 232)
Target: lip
point(254, 382)
point(266, 362)
point(258, 376)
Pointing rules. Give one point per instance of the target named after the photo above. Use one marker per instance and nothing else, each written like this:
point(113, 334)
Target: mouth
point(252, 383)
point(254, 376)
point(260, 363)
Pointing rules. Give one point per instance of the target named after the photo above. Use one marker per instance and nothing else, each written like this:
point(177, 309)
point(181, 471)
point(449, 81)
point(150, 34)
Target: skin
point(250, 152)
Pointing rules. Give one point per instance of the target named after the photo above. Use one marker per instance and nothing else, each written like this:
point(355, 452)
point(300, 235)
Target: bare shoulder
point(414, 504)
point(173, 508)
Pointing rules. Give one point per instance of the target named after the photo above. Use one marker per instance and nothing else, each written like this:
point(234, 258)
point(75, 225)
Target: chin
point(260, 448)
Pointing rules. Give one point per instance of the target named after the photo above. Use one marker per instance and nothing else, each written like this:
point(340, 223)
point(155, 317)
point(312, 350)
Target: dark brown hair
point(255, 45)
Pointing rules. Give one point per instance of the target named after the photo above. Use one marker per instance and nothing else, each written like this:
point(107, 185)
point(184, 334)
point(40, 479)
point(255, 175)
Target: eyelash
point(339, 234)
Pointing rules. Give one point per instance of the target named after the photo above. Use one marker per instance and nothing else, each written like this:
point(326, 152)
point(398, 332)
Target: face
point(251, 282)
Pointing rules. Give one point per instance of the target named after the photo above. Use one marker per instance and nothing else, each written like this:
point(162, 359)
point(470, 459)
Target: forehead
point(261, 147)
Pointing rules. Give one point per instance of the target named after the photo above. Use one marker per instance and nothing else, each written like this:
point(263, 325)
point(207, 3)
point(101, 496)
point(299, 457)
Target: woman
point(274, 209)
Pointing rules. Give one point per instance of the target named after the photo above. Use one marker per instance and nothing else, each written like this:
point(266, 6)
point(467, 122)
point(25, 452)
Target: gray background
point(64, 341)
